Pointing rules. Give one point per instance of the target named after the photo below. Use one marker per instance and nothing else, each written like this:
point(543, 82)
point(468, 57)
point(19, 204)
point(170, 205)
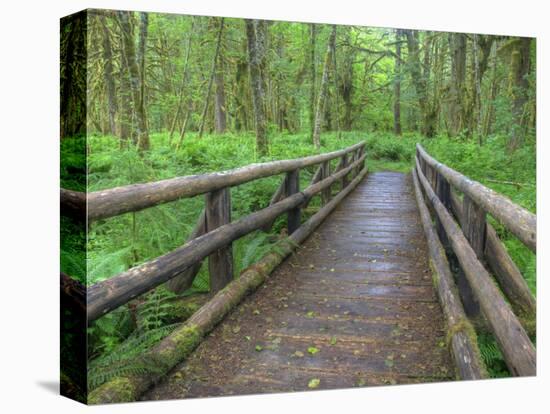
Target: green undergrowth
point(119, 243)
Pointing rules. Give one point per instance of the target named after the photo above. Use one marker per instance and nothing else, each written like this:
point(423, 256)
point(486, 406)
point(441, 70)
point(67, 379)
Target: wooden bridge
point(359, 294)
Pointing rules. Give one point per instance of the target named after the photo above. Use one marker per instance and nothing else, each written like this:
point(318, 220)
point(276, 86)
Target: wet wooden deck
point(355, 306)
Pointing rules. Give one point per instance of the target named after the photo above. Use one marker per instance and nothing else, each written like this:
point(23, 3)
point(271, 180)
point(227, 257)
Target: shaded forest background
point(149, 72)
point(148, 96)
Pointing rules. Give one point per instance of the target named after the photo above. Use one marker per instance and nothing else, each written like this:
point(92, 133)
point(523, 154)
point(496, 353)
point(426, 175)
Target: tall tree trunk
point(125, 110)
point(73, 108)
point(520, 63)
point(313, 75)
point(184, 81)
point(143, 137)
point(254, 64)
point(336, 93)
point(397, 85)
point(457, 110)
point(135, 76)
point(323, 89)
point(419, 79)
point(241, 117)
point(211, 80)
point(489, 111)
point(108, 74)
point(347, 82)
point(476, 128)
point(220, 112)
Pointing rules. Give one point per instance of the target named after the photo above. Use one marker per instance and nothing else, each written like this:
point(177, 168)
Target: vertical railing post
point(443, 191)
point(220, 263)
point(292, 183)
point(360, 152)
point(344, 165)
point(474, 225)
point(325, 194)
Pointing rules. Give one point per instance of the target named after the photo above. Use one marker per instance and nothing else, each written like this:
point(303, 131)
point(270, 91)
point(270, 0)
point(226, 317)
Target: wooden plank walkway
point(355, 306)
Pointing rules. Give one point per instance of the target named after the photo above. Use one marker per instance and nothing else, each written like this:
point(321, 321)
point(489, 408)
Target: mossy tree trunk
point(323, 90)
point(255, 54)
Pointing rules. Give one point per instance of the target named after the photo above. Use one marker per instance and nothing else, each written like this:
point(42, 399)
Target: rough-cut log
point(522, 223)
point(443, 191)
point(461, 334)
point(109, 294)
point(73, 205)
point(326, 193)
point(473, 225)
point(344, 165)
point(519, 353)
point(184, 281)
point(220, 263)
point(504, 269)
point(292, 187)
point(178, 345)
point(135, 197)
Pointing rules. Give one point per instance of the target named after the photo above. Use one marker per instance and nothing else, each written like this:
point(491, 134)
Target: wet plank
point(355, 306)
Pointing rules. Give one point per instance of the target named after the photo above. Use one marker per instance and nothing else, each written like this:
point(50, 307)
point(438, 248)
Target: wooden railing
point(478, 250)
point(214, 232)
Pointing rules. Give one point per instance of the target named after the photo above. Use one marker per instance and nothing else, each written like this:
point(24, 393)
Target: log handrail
point(134, 197)
point(518, 350)
point(109, 294)
point(521, 222)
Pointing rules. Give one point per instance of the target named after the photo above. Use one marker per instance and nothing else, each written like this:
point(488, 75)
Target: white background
point(29, 201)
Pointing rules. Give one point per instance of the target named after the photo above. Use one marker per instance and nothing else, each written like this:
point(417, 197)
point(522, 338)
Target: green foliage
point(492, 356)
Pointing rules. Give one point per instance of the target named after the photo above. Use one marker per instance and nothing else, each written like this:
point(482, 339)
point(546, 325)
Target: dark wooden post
point(473, 227)
point(345, 180)
point(443, 191)
point(292, 183)
point(220, 263)
point(360, 152)
point(325, 194)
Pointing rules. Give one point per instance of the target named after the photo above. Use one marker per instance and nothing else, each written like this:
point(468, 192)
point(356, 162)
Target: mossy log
point(518, 350)
point(107, 295)
point(178, 345)
point(507, 274)
point(522, 223)
point(108, 203)
point(461, 335)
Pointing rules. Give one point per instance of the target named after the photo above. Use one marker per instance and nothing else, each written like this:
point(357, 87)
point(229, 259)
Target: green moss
point(115, 391)
point(179, 345)
point(466, 327)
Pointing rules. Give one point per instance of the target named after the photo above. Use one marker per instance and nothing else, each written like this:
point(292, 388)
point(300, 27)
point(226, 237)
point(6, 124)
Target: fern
point(125, 359)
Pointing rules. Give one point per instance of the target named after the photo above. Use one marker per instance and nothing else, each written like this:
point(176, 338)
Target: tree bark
point(520, 63)
point(255, 56)
point(184, 82)
point(220, 112)
point(397, 85)
point(211, 81)
point(420, 83)
point(108, 75)
point(457, 110)
point(323, 90)
point(136, 79)
point(313, 75)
